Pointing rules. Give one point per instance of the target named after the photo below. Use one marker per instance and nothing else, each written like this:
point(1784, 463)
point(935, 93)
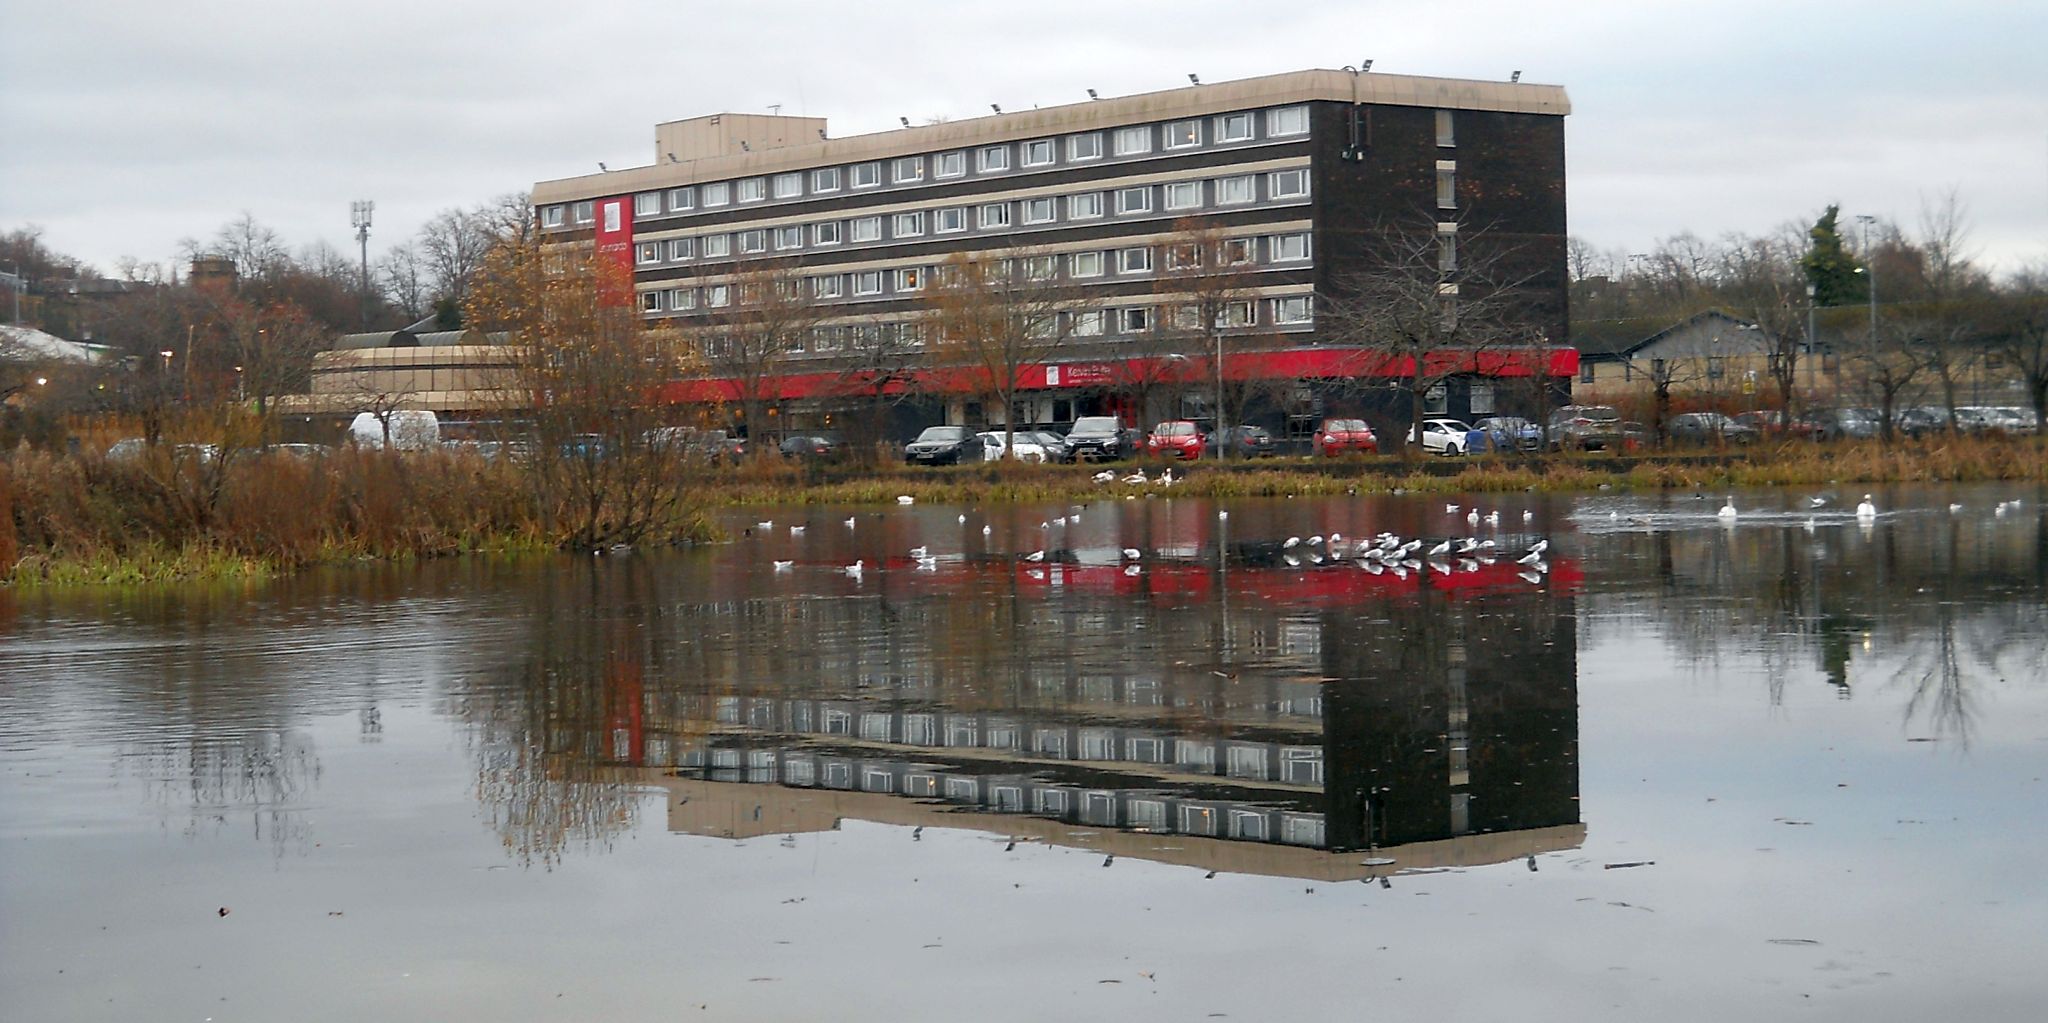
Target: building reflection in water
point(1245, 717)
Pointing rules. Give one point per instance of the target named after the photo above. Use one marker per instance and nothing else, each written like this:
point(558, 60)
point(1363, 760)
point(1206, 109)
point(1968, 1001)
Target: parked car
point(1843, 423)
point(1634, 436)
point(1772, 423)
point(1342, 437)
point(1055, 446)
point(688, 442)
point(812, 446)
point(1920, 421)
point(1443, 436)
point(408, 429)
point(1096, 438)
point(1020, 446)
point(944, 445)
point(1709, 428)
point(1507, 433)
point(1175, 438)
point(2016, 420)
point(1240, 442)
point(1585, 428)
point(295, 450)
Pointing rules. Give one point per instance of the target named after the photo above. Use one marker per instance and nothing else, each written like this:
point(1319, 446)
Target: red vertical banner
point(615, 243)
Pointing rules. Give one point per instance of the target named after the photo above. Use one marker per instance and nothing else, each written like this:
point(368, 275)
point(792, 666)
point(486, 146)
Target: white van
point(410, 430)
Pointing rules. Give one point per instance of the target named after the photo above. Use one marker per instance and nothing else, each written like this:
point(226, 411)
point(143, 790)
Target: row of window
point(1285, 311)
point(1139, 200)
point(1036, 154)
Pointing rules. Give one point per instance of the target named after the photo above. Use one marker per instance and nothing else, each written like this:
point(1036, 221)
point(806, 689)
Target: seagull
point(1727, 512)
point(1532, 578)
point(1336, 538)
point(1314, 540)
point(854, 570)
point(919, 552)
point(1035, 556)
point(927, 564)
point(1132, 570)
point(1104, 476)
point(1132, 554)
point(963, 518)
point(784, 566)
point(1531, 558)
point(796, 530)
point(1450, 509)
point(1292, 542)
point(1136, 479)
point(765, 526)
point(1535, 548)
point(1866, 511)
point(905, 499)
point(1528, 516)
point(1440, 550)
point(849, 522)
point(1817, 501)
point(1954, 508)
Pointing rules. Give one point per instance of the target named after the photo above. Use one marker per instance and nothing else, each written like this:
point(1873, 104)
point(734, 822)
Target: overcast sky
point(126, 126)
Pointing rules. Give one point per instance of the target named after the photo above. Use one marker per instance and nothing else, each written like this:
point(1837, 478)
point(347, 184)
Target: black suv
point(1096, 438)
point(944, 445)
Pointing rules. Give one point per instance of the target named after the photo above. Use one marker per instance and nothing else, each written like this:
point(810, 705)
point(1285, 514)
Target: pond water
point(1686, 767)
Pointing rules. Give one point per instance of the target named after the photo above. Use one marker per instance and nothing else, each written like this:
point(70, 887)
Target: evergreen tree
point(1830, 268)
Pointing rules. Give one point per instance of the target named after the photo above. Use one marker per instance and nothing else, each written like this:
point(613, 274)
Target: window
point(1085, 264)
point(682, 248)
point(995, 214)
point(646, 204)
point(650, 301)
point(908, 169)
point(790, 185)
point(1134, 200)
point(1184, 195)
point(1293, 309)
point(1586, 372)
point(826, 233)
point(1234, 191)
point(1290, 247)
point(1234, 128)
point(718, 296)
point(1184, 256)
point(1288, 184)
point(1085, 147)
point(753, 241)
point(1038, 153)
point(1182, 134)
point(611, 209)
point(867, 229)
point(1135, 320)
point(1717, 367)
point(1041, 268)
point(1088, 324)
point(950, 165)
point(951, 219)
point(867, 282)
point(994, 158)
point(1287, 121)
point(1234, 251)
point(1134, 261)
point(1446, 184)
point(717, 193)
point(1133, 141)
point(1187, 317)
point(716, 246)
point(1086, 206)
point(908, 225)
point(825, 179)
point(1446, 247)
point(551, 216)
point(866, 175)
point(585, 212)
point(1039, 211)
point(828, 286)
point(682, 199)
point(682, 300)
point(647, 252)
point(1446, 129)
point(753, 189)
point(789, 236)
point(910, 278)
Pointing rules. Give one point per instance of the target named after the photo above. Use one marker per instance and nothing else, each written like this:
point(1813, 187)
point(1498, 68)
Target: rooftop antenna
point(1516, 77)
point(775, 108)
point(359, 218)
point(1192, 77)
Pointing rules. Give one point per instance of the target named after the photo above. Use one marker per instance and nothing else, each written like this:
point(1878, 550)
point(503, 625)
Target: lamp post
point(1869, 268)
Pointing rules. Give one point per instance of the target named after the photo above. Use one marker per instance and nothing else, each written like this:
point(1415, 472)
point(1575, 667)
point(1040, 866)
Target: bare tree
point(1207, 288)
point(1764, 282)
point(452, 246)
point(995, 314)
point(878, 370)
point(2018, 337)
point(402, 275)
point(760, 316)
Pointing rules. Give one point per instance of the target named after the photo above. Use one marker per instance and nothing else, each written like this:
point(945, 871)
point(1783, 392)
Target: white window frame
point(789, 236)
point(1237, 190)
point(1226, 122)
point(1447, 184)
point(1044, 203)
point(646, 204)
point(950, 165)
point(992, 159)
point(715, 246)
point(1087, 323)
point(825, 179)
point(871, 170)
point(680, 199)
point(1277, 181)
point(1141, 192)
point(584, 212)
point(1183, 189)
point(1135, 260)
point(1084, 264)
point(854, 233)
point(680, 249)
point(682, 300)
point(1045, 146)
point(718, 296)
point(907, 225)
point(551, 216)
point(751, 189)
point(1182, 255)
point(1041, 268)
point(828, 286)
point(1278, 246)
point(907, 170)
point(752, 241)
point(650, 301)
point(950, 220)
point(717, 193)
point(1135, 140)
point(1184, 134)
point(1238, 313)
point(867, 282)
point(1135, 319)
point(1237, 251)
point(908, 279)
point(1293, 309)
point(647, 253)
point(1085, 206)
point(827, 232)
point(993, 215)
point(1285, 121)
point(1078, 147)
point(787, 185)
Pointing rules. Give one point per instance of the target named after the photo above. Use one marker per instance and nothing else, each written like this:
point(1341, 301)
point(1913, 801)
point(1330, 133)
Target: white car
point(1443, 436)
point(1027, 450)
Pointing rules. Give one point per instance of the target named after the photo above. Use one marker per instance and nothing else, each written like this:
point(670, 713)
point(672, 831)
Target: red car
point(1176, 437)
point(1343, 436)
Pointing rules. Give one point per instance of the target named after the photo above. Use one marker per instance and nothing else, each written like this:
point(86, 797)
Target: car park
point(1344, 436)
point(1585, 428)
point(1709, 428)
point(1240, 442)
point(1175, 438)
point(944, 445)
point(1100, 438)
point(1443, 436)
point(688, 442)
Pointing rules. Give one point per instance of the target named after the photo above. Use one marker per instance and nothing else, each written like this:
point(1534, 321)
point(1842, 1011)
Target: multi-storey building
point(1295, 173)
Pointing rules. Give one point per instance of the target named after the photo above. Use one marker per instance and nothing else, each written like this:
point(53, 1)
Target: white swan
point(1866, 511)
point(1727, 512)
